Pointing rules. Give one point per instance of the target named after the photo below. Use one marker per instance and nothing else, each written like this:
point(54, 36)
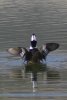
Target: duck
point(34, 54)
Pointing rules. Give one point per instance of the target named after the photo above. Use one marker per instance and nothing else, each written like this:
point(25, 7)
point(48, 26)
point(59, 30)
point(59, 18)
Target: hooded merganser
point(33, 47)
point(34, 54)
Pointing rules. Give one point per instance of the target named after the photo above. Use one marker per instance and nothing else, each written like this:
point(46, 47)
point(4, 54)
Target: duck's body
point(34, 54)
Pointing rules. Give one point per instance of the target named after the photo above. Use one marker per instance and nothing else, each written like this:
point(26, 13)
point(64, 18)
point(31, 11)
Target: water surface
point(18, 20)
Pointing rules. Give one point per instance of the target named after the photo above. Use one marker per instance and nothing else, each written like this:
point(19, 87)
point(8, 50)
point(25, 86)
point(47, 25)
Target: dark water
point(18, 20)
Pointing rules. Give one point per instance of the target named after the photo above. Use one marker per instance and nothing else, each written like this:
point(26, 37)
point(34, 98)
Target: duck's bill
point(15, 51)
point(52, 46)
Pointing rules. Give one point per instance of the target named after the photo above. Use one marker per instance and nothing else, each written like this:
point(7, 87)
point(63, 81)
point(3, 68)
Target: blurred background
point(20, 18)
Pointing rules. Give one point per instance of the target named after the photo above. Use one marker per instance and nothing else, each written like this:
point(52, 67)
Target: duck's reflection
point(37, 72)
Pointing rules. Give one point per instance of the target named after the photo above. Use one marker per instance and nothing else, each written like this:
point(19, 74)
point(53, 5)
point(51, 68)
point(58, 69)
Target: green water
point(18, 20)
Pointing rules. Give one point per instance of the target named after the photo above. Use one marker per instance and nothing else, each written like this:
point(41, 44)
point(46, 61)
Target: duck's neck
point(32, 47)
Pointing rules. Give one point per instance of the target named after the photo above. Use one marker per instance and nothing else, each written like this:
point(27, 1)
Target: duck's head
point(33, 41)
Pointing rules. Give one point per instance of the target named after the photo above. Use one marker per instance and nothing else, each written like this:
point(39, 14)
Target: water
point(18, 20)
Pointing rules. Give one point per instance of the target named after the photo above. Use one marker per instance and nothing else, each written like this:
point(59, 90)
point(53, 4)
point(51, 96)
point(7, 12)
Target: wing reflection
point(35, 73)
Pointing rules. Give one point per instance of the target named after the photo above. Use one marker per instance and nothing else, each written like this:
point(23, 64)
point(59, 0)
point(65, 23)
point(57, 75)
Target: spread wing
point(52, 46)
point(17, 51)
point(47, 48)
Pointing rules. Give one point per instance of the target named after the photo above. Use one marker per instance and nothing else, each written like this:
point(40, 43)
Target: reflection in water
point(46, 80)
point(36, 72)
point(35, 68)
point(16, 73)
point(53, 74)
